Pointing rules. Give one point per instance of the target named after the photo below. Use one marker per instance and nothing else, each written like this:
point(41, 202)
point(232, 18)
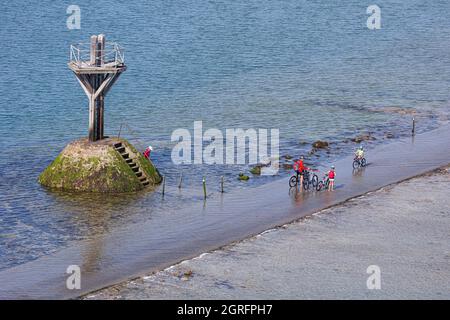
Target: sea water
point(311, 69)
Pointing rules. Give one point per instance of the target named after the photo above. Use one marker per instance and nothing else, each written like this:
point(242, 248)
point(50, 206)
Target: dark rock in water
point(256, 170)
point(363, 137)
point(397, 110)
point(303, 143)
point(319, 144)
point(287, 156)
point(389, 135)
point(286, 166)
point(243, 177)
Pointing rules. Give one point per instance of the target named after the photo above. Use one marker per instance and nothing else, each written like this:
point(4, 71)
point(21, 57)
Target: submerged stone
point(256, 170)
point(389, 135)
point(243, 177)
point(100, 167)
point(363, 137)
point(319, 144)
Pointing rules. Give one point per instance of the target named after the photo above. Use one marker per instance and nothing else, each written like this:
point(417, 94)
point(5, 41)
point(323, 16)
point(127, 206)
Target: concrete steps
point(124, 153)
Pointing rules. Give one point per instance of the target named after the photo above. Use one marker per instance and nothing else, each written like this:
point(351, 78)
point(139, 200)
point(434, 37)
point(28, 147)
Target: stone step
point(121, 149)
point(133, 165)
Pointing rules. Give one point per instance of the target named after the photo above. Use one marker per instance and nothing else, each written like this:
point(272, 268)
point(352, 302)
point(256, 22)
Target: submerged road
point(139, 249)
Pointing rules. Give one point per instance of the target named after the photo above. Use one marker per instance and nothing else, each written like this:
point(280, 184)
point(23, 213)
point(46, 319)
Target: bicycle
point(359, 162)
point(294, 180)
point(310, 178)
point(323, 183)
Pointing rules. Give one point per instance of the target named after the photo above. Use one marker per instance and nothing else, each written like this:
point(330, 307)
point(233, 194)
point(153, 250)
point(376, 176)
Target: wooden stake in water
point(413, 126)
point(204, 187)
point(164, 185)
point(181, 180)
point(221, 184)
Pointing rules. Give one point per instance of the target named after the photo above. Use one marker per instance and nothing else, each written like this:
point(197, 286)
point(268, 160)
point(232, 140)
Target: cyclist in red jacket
point(299, 168)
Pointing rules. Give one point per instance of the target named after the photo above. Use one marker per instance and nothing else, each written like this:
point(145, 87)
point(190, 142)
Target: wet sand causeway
point(134, 251)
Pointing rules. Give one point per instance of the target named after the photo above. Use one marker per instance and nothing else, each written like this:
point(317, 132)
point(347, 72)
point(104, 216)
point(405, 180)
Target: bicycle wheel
point(355, 164)
point(319, 186)
point(305, 183)
point(327, 183)
point(315, 180)
point(363, 162)
point(293, 181)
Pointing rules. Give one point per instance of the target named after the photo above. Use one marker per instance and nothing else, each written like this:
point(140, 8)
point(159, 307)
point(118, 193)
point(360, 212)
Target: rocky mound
point(108, 165)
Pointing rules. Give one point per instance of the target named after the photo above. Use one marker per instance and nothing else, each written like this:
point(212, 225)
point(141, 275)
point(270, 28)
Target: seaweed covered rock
point(256, 170)
point(100, 167)
point(363, 137)
point(319, 144)
point(243, 177)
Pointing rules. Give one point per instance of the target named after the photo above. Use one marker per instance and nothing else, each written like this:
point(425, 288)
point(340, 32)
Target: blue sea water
point(309, 68)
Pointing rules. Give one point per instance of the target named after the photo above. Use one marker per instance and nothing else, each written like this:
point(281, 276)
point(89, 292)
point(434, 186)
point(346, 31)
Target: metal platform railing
point(112, 55)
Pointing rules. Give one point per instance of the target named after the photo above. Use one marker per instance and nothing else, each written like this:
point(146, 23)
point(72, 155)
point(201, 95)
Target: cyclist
point(331, 176)
point(299, 168)
point(359, 153)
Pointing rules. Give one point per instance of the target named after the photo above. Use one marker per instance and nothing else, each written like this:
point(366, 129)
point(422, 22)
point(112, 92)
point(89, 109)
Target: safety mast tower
point(97, 67)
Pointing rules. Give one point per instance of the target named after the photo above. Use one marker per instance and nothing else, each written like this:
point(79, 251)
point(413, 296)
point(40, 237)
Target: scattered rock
point(389, 135)
point(319, 144)
point(287, 156)
point(397, 110)
point(256, 170)
point(363, 137)
point(243, 177)
point(286, 166)
point(186, 275)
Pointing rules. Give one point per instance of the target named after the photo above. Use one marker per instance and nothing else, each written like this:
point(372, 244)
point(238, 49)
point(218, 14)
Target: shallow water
point(403, 229)
point(313, 70)
point(169, 236)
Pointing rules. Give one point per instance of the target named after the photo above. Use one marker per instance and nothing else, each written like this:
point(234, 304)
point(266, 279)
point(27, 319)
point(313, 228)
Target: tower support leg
point(92, 107)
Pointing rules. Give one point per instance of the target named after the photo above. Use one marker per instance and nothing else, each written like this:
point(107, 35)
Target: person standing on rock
point(147, 152)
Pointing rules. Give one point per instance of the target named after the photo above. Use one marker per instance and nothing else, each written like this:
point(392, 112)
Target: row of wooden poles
point(180, 182)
